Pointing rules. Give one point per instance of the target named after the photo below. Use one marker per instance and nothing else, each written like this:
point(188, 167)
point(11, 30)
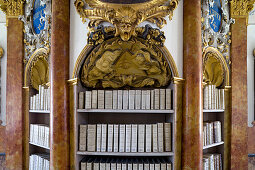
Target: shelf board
point(123, 111)
point(125, 153)
point(39, 145)
point(39, 111)
point(213, 145)
point(214, 111)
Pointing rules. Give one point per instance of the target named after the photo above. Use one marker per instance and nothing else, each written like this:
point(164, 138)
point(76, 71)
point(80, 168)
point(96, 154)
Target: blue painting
point(38, 14)
point(215, 11)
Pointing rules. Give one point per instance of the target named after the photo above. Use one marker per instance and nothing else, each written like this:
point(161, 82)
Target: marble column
point(59, 74)
point(14, 84)
point(239, 108)
point(192, 145)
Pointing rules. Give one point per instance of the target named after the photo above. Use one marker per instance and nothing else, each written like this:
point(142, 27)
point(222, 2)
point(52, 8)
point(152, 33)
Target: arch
point(38, 60)
point(211, 52)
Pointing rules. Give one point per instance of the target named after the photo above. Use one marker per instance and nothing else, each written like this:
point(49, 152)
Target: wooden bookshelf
point(143, 154)
point(124, 111)
point(213, 145)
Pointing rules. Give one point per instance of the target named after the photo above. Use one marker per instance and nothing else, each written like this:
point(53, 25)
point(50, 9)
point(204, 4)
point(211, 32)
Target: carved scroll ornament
point(126, 17)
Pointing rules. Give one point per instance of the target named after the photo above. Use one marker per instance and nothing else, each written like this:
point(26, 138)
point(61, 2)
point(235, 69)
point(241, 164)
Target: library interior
point(127, 84)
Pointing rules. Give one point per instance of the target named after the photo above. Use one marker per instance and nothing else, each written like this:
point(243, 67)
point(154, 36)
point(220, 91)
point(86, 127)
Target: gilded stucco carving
point(126, 17)
point(12, 8)
point(241, 8)
point(134, 63)
point(1, 52)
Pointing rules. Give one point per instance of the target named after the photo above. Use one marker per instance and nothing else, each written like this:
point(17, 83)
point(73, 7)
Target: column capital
point(12, 8)
point(1, 52)
point(241, 8)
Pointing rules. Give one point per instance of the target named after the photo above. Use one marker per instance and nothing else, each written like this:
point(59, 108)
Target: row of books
point(41, 101)
point(39, 135)
point(126, 137)
point(213, 98)
point(212, 132)
point(39, 161)
point(126, 99)
point(126, 164)
point(212, 162)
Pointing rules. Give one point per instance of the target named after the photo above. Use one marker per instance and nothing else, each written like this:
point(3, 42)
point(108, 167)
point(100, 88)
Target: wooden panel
point(2, 139)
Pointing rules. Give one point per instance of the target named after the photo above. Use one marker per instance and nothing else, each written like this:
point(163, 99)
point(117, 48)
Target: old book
point(83, 166)
point(91, 140)
point(211, 135)
point(83, 138)
point(223, 98)
point(168, 99)
point(131, 99)
point(116, 138)
point(108, 99)
point(206, 90)
point(209, 97)
point(148, 100)
point(134, 138)
point(144, 95)
point(148, 137)
point(138, 99)
point(48, 95)
point(167, 136)
point(99, 137)
point(135, 166)
point(118, 165)
point(169, 166)
point(160, 137)
point(120, 99)
point(41, 98)
point(129, 165)
point(110, 138)
point(31, 103)
point(141, 137)
point(125, 99)
point(156, 97)
point(152, 167)
point(88, 100)
point(157, 166)
point(163, 166)
point(81, 100)
point(128, 138)
point(104, 137)
point(31, 132)
point(162, 99)
point(140, 166)
point(94, 99)
point(102, 165)
point(37, 102)
point(113, 166)
point(204, 135)
point(96, 166)
point(101, 99)
point(217, 131)
point(155, 138)
point(217, 98)
point(152, 99)
point(114, 99)
point(146, 165)
point(45, 99)
point(122, 138)
point(123, 166)
point(108, 166)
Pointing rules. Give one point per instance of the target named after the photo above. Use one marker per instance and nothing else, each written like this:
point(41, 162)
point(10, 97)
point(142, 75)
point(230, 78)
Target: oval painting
point(38, 15)
point(215, 10)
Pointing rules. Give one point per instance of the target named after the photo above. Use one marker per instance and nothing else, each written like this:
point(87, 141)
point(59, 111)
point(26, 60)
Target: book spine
point(88, 100)
point(134, 138)
point(115, 99)
point(83, 137)
point(168, 99)
point(110, 138)
point(152, 99)
point(94, 99)
point(91, 140)
point(99, 137)
point(138, 99)
point(131, 99)
point(128, 138)
point(125, 99)
point(104, 137)
point(160, 137)
point(81, 100)
point(162, 99)
point(156, 103)
point(148, 138)
point(41, 98)
point(116, 138)
point(108, 99)
point(120, 99)
point(155, 138)
point(141, 137)
point(148, 100)
point(122, 138)
point(167, 135)
point(144, 95)
point(209, 97)
point(101, 99)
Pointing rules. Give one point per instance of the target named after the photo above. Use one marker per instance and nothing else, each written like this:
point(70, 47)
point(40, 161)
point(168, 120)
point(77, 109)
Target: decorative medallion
point(37, 26)
point(216, 15)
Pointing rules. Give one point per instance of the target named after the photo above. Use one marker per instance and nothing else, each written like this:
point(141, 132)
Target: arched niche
point(90, 49)
point(37, 69)
point(215, 68)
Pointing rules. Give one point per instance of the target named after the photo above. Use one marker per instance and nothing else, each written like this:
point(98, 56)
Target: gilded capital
point(12, 8)
point(241, 8)
point(1, 52)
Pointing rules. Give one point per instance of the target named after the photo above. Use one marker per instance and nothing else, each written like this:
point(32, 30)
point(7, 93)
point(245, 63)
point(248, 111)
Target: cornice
point(241, 8)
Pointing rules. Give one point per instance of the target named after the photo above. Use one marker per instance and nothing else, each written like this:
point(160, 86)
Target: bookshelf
point(84, 116)
point(36, 79)
point(215, 86)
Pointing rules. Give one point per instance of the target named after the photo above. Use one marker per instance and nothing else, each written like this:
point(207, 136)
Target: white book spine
point(120, 99)
point(81, 100)
point(155, 138)
point(94, 99)
point(167, 136)
point(41, 98)
point(163, 166)
point(152, 167)
point(156, 102)
point(209, 97)
point(99, 137)
point(206, 97)
point(131, 99)
point(168, 99)
point(160, 137)
point(129, 166)
point(115, 99)
point(144, 95)
point(101, 99)
point(108, 166)
point(124, 166)
point(134, 138)
point(88, 100)
point(141, 137)
point(128, 138)
point(110, 138)
point(125, 99)
point(104, 137)
point(169, 166)
point(108, 99)
point(148, 137)
point(140, 166)
point(91, 140)
point(152, 99)
point(162, 99)
point(122, 138)
point(116, 138)
point(223, 98)
point(138, 99)
point(31, 103)
point(148, 100)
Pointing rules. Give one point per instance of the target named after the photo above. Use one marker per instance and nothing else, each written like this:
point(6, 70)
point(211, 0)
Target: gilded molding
point(1, 52)
point(126, 17)
point(241, 8)
point(178, 80)
point(73, 82)
point(12, 8)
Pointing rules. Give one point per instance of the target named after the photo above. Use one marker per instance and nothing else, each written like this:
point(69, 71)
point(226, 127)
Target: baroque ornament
point(12, 8)
point(126, 17)
point(241, 8)
point(37, 26)
point(1, 52)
